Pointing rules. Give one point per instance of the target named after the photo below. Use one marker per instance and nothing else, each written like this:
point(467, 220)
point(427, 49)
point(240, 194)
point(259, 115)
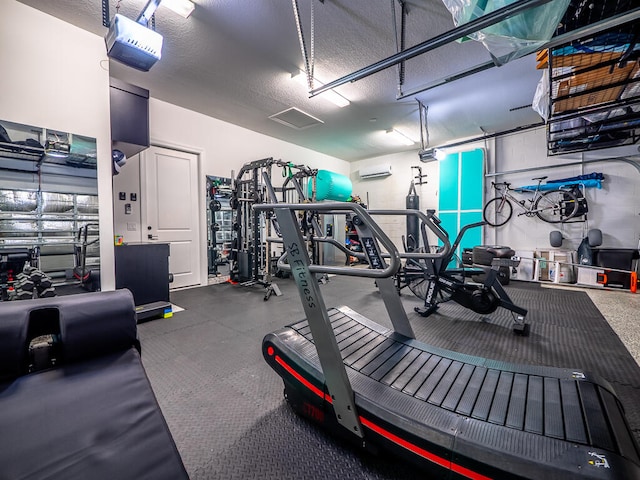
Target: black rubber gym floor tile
point(225, 406)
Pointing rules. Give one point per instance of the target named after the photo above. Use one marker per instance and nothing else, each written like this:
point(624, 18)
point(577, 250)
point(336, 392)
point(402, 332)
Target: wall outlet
point(131, 227)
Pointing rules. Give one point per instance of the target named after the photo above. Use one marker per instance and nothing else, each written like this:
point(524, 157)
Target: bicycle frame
point(504, 191)
point(552, 206)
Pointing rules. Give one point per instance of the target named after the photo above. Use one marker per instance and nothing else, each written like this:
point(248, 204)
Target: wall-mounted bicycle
point(553, 206)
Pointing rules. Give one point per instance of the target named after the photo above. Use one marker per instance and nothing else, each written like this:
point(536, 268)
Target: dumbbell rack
point(20, 278)
point(31, 283)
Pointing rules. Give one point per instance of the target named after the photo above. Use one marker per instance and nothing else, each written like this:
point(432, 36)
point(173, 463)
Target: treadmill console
point(371, 250)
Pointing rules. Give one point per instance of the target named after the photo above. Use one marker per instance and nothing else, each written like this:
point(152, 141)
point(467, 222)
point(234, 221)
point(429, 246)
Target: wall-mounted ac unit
point(374, 171)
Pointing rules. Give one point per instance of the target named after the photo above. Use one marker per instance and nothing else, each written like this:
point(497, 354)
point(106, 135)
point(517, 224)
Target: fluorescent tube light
point(336, 98)
point(183, 8)
point(399, 137)
point(330, 95)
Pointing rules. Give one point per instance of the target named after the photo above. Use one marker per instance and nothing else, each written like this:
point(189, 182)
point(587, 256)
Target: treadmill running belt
point(550, 403)
point(443, 382)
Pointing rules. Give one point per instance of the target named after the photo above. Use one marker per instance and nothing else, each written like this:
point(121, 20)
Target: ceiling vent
point(294, 118)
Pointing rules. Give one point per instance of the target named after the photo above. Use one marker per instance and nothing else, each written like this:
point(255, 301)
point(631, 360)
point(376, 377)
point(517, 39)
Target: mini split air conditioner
point(133, 44)
point(374, 171)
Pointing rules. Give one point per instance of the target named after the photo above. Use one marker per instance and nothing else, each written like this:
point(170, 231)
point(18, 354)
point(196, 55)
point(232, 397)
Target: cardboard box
point(526, 269)
point(555, 265)
point(589, 276)
point(560, 268)
point(542, 265)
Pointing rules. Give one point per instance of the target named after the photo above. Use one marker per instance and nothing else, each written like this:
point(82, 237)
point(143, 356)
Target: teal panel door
point(460, 199)
point(473, 236)
point(449, 185)
point(471, 180)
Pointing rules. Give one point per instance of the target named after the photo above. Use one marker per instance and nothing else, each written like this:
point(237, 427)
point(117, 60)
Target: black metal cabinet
point(143, 268)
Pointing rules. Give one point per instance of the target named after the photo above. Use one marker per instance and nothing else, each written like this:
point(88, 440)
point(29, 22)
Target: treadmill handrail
point(330, 241)
point(394, 255)
point(425, 220)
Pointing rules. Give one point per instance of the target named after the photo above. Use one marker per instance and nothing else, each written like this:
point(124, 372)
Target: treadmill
point(454, 415)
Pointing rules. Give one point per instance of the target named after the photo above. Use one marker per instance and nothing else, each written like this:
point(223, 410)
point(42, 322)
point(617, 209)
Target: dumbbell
point(47, 292)
point(23, 295)
point(23, 282)
point(37, 275)
point(41, 279)
point(28, 269)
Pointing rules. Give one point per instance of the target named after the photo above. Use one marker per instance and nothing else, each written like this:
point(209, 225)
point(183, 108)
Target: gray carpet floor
point(225, 407)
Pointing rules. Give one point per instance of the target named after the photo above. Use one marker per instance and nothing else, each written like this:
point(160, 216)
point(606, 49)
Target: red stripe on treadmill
point(459, 469)
point(302, 380)
point(443, 462)
point(406, 444)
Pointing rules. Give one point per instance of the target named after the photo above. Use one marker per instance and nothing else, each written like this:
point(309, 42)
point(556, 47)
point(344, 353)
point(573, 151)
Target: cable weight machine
point(256, 232)
point(252, 260)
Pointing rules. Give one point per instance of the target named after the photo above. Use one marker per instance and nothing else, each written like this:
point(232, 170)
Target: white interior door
point(169, 209)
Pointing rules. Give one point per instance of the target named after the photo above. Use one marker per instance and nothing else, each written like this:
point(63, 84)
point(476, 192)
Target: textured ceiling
point(233, 60)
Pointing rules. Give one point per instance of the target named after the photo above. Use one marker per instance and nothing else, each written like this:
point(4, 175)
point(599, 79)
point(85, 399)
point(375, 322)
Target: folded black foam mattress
point(93, 415)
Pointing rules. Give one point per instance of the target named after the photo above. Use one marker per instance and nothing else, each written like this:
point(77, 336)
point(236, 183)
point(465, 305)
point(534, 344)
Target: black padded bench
point(75, 403)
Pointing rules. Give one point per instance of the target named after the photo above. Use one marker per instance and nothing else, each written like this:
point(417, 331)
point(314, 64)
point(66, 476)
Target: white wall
point(226, 147)
point(128, 225)
point(55, 75)
point(222, 148)
point(390, 192)
point(614, 209)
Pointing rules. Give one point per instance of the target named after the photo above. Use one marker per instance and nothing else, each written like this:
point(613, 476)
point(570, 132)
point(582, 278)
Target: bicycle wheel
point(497, 211)
point(556, 206)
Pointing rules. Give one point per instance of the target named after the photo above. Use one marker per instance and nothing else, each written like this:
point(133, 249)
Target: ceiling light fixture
point(399, 137)
point(330, 95)
point(184, 8)
point(431, 154)
point(57, 149)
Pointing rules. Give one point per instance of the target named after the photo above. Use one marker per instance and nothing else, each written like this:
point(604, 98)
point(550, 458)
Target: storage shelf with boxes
point(613, 268)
